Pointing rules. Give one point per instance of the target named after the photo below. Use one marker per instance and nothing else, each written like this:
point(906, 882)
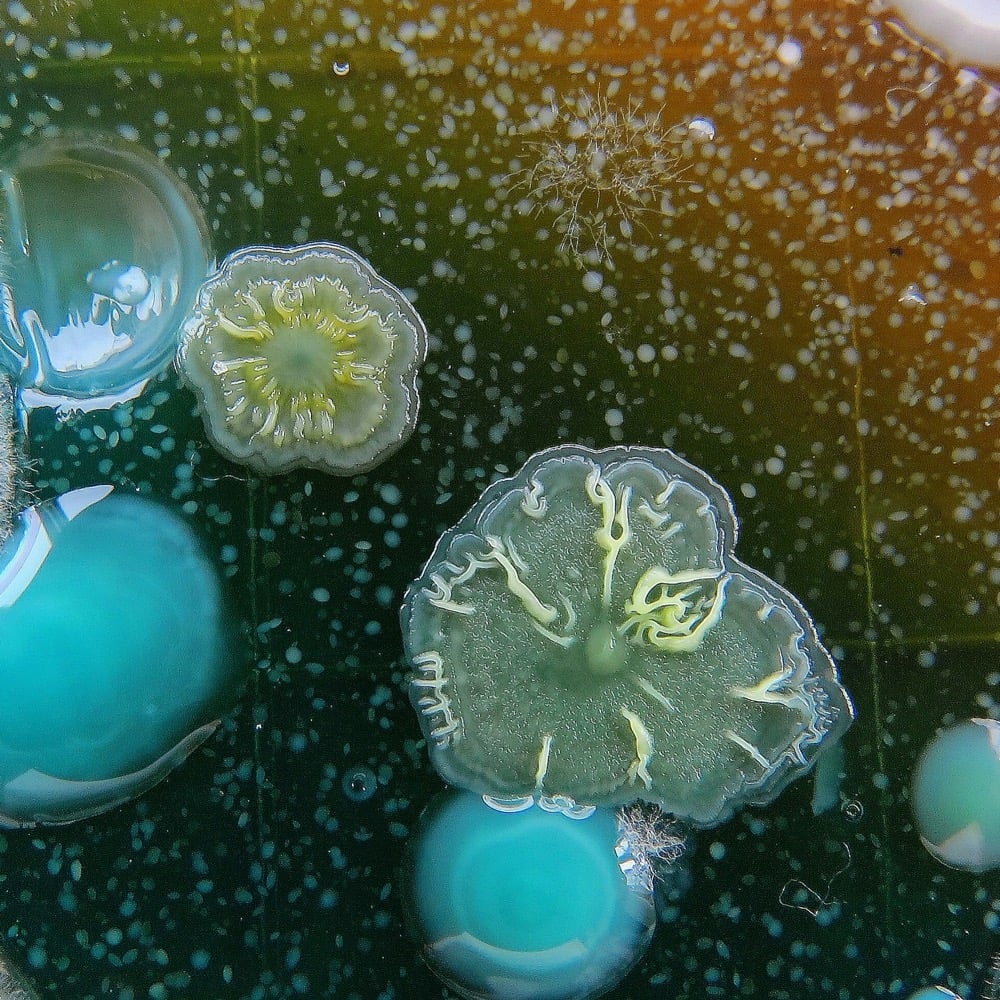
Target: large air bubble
point(102, 250)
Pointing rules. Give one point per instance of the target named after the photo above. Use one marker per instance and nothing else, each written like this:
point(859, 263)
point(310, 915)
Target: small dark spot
point(895, 251)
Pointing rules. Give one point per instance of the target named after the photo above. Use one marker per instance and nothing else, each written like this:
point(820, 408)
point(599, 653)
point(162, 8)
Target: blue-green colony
point(531, 904)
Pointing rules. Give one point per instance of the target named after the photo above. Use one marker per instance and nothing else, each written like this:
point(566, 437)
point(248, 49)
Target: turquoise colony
point(584, 638)
point(106, 703)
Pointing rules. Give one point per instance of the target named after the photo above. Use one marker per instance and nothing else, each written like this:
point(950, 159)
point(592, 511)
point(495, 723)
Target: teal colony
point(532, 904)
point(586, 634)
point(956, 795)
point(115, 654)
point(102, 250)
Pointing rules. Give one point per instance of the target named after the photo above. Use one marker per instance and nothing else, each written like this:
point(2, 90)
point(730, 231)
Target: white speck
point(626, 17)
point(789, 52)
point(20, 14)
point(330, 187)
point(840, 559)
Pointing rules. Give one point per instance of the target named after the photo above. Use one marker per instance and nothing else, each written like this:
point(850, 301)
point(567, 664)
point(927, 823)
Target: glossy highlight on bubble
point(967, 31)
point(102, 249)
point(586, 631)
point(115, 651)
point(304, 357)
point(8, 458)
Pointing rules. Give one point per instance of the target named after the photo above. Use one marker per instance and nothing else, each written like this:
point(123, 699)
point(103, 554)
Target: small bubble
point(359, 783)
point(852, 811)
point(702, 128)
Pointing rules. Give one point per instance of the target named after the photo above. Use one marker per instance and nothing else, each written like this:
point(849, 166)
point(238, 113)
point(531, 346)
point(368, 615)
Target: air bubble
point(359, 783)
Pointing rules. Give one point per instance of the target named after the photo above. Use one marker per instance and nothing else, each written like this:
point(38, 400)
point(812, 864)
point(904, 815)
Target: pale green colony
point(304, 357)
point(956, 795)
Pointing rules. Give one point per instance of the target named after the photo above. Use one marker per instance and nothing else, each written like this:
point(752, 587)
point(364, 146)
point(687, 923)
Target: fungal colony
point(602, 172)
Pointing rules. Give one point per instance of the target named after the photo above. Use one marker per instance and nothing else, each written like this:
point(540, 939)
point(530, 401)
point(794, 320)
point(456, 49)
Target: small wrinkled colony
point(114, 653)
point(304, 357)
point(586, 634)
